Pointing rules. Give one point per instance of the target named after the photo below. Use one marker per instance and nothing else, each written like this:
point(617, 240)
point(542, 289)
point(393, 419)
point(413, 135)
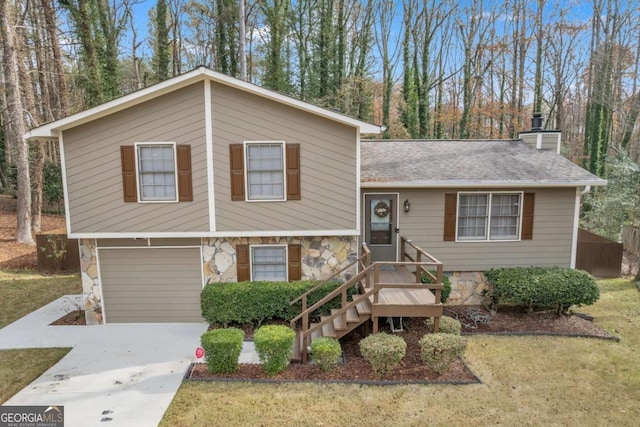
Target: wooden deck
point(400, 296)
point(386, 289)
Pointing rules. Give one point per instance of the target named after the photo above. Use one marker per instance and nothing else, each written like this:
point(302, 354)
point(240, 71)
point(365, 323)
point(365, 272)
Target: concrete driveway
point(116, 374)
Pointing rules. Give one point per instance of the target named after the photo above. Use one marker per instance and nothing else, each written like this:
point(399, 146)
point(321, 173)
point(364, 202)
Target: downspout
point(576, 224)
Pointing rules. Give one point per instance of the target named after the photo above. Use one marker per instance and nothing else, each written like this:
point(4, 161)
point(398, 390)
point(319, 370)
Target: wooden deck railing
point(422, 260)
point(413, 258)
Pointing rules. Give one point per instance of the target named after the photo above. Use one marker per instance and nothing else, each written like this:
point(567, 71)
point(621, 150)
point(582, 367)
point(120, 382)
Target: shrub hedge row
point(540, 287)
point(255, 302)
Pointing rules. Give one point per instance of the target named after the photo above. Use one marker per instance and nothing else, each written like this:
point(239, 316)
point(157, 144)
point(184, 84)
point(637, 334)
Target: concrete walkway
point(115, 375)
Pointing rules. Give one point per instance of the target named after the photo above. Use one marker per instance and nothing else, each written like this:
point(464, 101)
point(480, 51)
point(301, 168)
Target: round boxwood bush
point(326, 352)
point(448, 325)
point(439, 350)
point(222, 349)
point(383, 351)
point(273, 344)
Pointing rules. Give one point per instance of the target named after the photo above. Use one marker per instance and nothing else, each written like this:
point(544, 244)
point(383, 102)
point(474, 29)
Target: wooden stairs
point(392, 292)
point(335, 325)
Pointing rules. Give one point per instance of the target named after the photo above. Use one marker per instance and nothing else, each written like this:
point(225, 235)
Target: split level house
point(204, 178)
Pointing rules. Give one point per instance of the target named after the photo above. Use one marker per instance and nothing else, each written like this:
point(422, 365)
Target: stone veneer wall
point(467, 288)
point(321, 256)
point(91, 295)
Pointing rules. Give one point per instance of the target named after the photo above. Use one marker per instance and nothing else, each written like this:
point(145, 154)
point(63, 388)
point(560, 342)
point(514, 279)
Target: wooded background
point(441, 69)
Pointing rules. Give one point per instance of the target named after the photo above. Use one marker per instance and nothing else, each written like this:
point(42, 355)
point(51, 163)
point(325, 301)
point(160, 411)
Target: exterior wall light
point(407, 206)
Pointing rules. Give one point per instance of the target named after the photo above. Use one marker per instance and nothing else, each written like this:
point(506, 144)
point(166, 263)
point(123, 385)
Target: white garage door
point(145, 285)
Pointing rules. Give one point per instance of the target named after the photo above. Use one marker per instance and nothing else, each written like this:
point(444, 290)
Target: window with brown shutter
point(528, 206)
point(295, 262)
point(236, 160)
point(129, 181)
point(293, 172)
point(450, 202)
point(185, 186)
point(243, 264)
point(265, 173)
point(156, 159)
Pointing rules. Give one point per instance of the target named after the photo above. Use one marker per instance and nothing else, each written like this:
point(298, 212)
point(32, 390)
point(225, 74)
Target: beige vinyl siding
point(552, 231)
point(328, 165)
point(92, 155)
point(151, 284)
point(550, 141)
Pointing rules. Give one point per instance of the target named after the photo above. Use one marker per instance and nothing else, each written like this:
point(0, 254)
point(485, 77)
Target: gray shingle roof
point(417, 163)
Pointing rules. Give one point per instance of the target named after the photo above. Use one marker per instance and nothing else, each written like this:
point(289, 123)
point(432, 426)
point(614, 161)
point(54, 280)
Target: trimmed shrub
point(222, 349)
point(538, 287)
point(255, 302)
point(383, 351)
point(273, 345)
point(448, 325)
point(446, 283)
point(439, 350)
point(326, 352)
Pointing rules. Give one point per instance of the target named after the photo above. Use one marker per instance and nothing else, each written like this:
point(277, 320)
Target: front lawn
point(24, 292)
point(20, 294)
point(526, 381)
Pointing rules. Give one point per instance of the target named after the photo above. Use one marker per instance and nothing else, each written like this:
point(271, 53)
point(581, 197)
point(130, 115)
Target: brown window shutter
point(236, 162)
point(528, 206)
point(450, 205)
point(243, 264)
point(293, 172)
point(295, 262)
point(129, 181)
point(185, 186)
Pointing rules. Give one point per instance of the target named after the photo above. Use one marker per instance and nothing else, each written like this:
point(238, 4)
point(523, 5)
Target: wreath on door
point(381, 209)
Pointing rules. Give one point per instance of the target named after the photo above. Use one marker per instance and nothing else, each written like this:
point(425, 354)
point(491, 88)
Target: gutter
point(485, 184)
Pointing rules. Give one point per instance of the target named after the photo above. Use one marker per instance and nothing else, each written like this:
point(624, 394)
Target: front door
point(381, 226)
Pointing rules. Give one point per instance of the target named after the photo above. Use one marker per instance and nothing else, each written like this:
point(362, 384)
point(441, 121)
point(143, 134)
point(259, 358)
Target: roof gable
point(50, 130)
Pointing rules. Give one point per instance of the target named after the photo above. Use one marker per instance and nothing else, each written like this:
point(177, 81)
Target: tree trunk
point(16, 128)
point(38, 168)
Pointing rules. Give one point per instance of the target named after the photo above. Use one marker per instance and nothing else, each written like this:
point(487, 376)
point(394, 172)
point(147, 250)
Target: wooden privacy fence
point(598, 256)
point(631, 239)
point(56, 253)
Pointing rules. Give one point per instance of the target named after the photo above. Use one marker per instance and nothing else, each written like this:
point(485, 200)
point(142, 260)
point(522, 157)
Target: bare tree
point(15, 129)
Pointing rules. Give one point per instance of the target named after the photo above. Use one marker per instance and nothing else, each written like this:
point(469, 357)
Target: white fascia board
point(51, 130)
point(188, 234)
point(483, 184)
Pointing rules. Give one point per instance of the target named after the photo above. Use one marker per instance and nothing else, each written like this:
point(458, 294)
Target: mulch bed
point(18, 256)
point(507, 321)
point(73, 318)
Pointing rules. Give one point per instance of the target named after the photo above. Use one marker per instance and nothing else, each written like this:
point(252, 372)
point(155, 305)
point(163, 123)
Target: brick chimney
point(539, 138)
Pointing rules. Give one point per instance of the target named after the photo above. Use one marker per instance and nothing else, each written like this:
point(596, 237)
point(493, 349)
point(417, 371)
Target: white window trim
point(488, 224)
point(286, 258)
point(175, 171)
point(246, 171)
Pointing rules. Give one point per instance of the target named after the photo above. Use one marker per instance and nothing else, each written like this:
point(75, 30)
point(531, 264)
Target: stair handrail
point(339, 312)
point(331, 295)
point(324, 282)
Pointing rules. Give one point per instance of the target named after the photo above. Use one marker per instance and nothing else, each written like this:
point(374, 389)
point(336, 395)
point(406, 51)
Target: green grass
point(20, 294)
point(23, 292)
point(526, 381)
point(18, 368)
